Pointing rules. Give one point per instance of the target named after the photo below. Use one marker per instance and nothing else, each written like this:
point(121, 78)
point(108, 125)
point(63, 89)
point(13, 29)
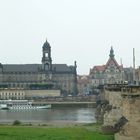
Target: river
point(77, 115)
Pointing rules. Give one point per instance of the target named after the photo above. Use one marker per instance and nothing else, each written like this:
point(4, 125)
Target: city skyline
point(76, 30)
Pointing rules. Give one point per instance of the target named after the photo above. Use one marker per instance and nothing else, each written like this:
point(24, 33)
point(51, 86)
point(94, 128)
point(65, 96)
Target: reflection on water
point(81, 115)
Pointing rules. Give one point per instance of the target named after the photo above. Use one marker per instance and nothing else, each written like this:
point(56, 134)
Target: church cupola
point(46, 58)
point(111, 52)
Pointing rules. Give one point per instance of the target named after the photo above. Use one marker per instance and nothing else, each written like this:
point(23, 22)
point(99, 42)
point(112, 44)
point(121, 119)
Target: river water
point(78, 115)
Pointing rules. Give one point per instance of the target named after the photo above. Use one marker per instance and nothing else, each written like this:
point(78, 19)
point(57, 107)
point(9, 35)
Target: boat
point(20, 104)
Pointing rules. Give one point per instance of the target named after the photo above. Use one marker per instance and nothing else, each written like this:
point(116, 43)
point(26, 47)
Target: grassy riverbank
point(75, 132)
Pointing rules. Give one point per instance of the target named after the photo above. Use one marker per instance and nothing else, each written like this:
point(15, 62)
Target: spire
point(111, 52)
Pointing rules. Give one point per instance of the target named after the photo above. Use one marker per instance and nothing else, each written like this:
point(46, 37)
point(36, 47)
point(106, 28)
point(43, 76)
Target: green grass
point(44, 133)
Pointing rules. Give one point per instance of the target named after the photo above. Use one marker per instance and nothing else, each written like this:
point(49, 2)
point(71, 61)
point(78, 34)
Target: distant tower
point(75, 90)
point(111, 52)
point(46, 58)
point(134, 78)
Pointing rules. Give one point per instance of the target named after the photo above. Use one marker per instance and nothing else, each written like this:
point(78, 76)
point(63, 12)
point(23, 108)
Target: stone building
point(129, 75)
point(83, 84)
point(21, 94)
point(18, 94)
point(137, 76)
point(110, 73)
point(44, 75)
point(132, 76)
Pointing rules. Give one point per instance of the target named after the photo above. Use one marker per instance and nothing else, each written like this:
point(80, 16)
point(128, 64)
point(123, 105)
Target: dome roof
point(46, 44)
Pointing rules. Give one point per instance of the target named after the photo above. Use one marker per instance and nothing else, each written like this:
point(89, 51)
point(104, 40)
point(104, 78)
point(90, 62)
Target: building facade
point(83, 84)
point(110, 73)
point(137, 76)
point(44, 75)
point(129, 75)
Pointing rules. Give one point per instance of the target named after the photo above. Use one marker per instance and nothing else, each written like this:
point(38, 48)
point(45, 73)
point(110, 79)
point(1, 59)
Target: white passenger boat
point(21, 104)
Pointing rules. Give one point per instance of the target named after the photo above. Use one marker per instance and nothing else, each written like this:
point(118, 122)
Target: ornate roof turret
point(111, 52)
point(46, 44)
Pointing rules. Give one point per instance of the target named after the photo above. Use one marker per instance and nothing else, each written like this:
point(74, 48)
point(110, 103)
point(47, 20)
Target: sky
point(81, 30)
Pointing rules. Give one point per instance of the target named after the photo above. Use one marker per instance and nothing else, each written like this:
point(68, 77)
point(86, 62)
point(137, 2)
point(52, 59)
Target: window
point(46, 54)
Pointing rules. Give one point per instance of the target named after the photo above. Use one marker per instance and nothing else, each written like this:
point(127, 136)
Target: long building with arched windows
point(40, 76)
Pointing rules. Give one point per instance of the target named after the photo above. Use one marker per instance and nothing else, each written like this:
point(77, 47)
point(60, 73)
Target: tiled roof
point(112, 61)
point(97, 68)
point(36, 67)
point(62, 68)
point(101, 68)
point(82, 79)
point(21, 67)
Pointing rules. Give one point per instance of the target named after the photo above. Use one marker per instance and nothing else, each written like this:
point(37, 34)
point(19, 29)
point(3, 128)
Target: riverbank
point(59, 124)
point(53, 131)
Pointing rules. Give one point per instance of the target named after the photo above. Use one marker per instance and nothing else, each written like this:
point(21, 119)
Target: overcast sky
point(81, 30)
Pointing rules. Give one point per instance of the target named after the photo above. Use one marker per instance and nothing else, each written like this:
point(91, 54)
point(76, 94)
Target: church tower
point(46, 58)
